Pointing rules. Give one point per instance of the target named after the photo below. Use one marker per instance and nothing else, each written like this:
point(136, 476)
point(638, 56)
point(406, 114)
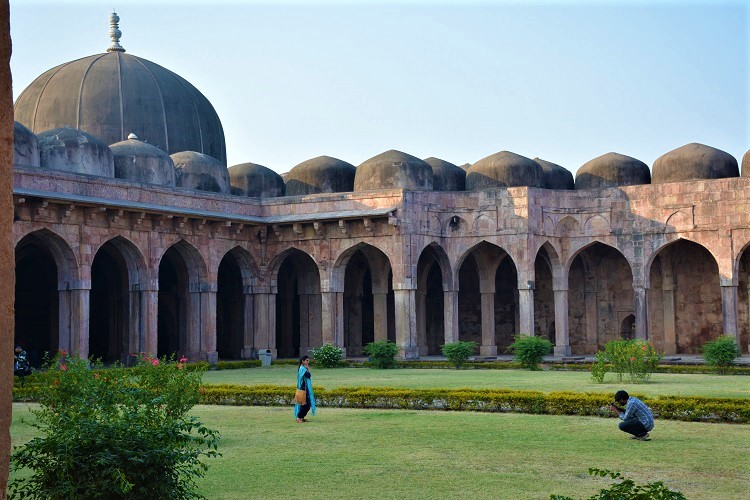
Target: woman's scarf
point(301, 379)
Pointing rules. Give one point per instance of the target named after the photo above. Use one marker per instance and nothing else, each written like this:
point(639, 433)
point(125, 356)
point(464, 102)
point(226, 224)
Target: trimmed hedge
point(701, 409)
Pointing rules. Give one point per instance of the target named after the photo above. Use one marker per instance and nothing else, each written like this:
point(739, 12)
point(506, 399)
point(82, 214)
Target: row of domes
point(76, 151)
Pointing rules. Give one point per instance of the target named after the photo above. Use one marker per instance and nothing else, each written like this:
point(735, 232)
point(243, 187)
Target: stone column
point(208, 323)
point(641, 312)
point(380, 315)
point(488, 347)
point(190, 331)
point(146, 337)
point(406, 322)
point(265, 322)
point(248, 325)
point(730, 312)
point(450, 319)
point(79, 318)
point(421, 305)
point(526, 309)
point(562, 334)
point(332, 318)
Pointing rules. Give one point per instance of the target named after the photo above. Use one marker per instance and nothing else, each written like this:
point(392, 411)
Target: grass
point(546, 381)
point(405, 454)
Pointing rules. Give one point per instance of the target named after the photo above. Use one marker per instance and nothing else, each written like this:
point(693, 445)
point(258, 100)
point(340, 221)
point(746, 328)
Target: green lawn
point(737, 386)
point(406, 454)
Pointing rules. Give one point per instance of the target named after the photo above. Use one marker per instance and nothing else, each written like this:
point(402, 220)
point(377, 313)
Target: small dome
point(612, 170)
point(465, 166)
point(504, 169)
point(555, 176)
point(255, 181)
point(195, 170)
point(320, 175)
point(139, 161)
point(694, 161)
point(25, 147)
point(446, 176)
point(746, 165)
point(393, 170)
point(76, 151)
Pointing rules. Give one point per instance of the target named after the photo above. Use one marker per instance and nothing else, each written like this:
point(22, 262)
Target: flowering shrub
point(637, 358)
point(327, 355)
point(115, 433)
point(721, 353)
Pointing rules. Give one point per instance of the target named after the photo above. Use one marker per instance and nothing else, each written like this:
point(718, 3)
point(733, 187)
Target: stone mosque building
point(131, 234)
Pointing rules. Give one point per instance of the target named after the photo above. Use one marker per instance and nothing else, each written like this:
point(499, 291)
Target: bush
point(327, 355)
point(721, 353)
point(383, 353)
point(458, 353)
point(599, 369)
point(626, 489)
point(637, 358)
point(529, 350)
point(115, 433)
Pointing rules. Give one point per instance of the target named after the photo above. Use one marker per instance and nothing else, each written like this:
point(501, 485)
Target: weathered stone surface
point(195, 170)
point(393, 169)
point(113, 94)
point(25, 146)
point(504, 169)
point(255, 181)
point(322, 174)
point(746, 164)
point(612, 170)
point(76, 151)
point(692, 162)
point(555, 176)
point(446, 176)
point(139, 161)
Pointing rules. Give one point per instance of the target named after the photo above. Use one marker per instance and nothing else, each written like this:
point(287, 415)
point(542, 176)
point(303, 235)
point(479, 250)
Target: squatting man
point(636, 417)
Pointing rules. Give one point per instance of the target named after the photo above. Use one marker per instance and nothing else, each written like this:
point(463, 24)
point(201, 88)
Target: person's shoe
point(299, 420)
point(645, 437)
point(305, 420)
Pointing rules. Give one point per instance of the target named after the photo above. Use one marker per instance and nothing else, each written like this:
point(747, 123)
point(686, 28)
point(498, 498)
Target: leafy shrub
point(637, 358)
point(115, 433)
point(383, 353)
point(327, 355)
point(626, 489)
point(529, 350)
point(721, 353)
point(599, 369)
point(458, 353)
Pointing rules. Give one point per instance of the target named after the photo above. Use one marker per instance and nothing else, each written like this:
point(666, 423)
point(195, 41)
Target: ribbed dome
point(76, 151)
point(256, 181)
point(195, 170)
point(112, 94)
point(694, 161)
point(320, 175)
point(746, 165)
point(25, 147)
point(393, 170)
point(138, 161)
point(612, 170)
point(504, 169)
point(446, 176)
point(555, 176)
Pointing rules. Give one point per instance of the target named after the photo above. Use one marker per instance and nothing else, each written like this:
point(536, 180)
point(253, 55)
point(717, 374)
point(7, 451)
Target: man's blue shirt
point(635, 408)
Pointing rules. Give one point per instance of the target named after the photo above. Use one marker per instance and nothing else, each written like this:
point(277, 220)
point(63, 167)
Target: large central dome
point(113, 94)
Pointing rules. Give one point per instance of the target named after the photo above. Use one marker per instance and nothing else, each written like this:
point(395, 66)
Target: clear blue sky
point(563, 81)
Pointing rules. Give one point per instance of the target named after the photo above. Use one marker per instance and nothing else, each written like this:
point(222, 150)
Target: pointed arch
point(235, 278)
point(65, 259)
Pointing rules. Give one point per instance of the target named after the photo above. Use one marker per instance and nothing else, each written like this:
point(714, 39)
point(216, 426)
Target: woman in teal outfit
point(304, 383)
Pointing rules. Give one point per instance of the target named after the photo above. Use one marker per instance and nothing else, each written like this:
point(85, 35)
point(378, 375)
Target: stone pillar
point(149, 339)
point(208, 323)
point(380, 315)
point(265, 322)
point(641, 312)
point(248, 325)
point(190, 332)
point(488, 347)
point(526, 310)
point(74, 318)
point(669, 345)
point(421, 305)
point(730, 312)
point(562, 334)
point(450, 321)
point(406, 322)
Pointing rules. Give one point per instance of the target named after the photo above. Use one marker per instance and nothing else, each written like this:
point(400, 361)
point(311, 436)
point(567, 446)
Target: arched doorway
point(431, 300)
point(743, 300)
point(36, 300)
point(230, 309)
point(627, 327)
point(600, 283)
point(544, 297)
point(298, 305)
point(506, 304)
point(109, 306)
point(469, 302)
point(359, 315)
point(684, 298)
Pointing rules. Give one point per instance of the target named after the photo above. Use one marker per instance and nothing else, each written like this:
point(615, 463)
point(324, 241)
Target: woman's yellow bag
point(300, 397)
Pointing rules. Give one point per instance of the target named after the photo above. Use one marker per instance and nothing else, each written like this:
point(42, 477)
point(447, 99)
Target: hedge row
point(488, 400)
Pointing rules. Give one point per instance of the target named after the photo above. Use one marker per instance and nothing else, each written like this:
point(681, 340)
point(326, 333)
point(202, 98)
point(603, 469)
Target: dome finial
point(114, 33)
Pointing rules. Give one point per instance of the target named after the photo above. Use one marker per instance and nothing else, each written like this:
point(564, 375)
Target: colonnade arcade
point(122, 301)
